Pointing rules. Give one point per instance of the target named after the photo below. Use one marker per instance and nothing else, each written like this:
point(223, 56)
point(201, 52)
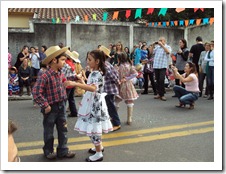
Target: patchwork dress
point(93, 117)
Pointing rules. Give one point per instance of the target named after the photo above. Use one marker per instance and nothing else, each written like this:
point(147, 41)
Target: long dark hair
point(184, 42)
point(193, 68)
point(97, 54)
point(123, 58)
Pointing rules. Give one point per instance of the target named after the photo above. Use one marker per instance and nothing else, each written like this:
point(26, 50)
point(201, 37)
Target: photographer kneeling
point(190, 93)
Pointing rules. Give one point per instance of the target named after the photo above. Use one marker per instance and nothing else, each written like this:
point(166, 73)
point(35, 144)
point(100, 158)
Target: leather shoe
point(115, 128)
point(157, 97)
point(163, 98)
point(100, 159)
point(51, 156)
point(93, 151)
point(68, 155)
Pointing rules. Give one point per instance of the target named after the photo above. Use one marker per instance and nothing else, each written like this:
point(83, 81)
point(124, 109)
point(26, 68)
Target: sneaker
point(94, 151)
point(68, 155)
point(51, 156)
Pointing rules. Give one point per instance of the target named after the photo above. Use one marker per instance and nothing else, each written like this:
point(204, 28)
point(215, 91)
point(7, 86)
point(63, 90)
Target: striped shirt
point(111, 79)
point(161, 57)
point(49, 88)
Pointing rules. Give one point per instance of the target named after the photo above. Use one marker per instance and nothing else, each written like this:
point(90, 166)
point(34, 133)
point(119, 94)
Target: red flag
point(195, 9)
point(128, 13)
point(63, 19)
point(150, 11)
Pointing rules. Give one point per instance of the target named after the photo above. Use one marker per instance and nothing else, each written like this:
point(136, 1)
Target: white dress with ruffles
point(93, 117)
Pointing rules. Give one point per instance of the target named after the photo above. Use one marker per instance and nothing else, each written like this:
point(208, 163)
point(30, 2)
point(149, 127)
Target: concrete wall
point(205, 31)
point(86, 37)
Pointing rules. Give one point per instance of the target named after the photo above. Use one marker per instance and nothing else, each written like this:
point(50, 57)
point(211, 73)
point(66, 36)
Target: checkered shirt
point(49, 88)
point(160, 57)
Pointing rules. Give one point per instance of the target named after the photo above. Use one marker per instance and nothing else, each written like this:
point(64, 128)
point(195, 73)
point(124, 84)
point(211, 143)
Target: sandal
point(180, 105)
point(192, 106)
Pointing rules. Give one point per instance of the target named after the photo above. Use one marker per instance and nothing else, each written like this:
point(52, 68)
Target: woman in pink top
point(190, 93)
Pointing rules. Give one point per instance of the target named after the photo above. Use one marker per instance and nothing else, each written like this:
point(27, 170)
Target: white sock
point(96, 156)
point(94, 149)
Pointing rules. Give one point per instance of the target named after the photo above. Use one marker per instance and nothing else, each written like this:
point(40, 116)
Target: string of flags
point(138, 14)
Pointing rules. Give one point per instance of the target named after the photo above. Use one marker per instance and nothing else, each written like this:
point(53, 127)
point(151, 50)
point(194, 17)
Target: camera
point(157, 42)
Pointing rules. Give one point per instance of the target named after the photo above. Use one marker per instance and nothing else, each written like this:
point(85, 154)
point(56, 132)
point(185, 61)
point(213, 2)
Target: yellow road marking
point(128, 140)
point(122, 134)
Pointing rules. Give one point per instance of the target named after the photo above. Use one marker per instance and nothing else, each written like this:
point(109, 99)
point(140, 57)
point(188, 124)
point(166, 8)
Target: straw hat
point(73, 55)
point(53, 52)
point(13, 68)
point(105, 50)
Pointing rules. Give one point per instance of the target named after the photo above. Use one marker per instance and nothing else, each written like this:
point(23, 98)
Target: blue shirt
point(161, 57)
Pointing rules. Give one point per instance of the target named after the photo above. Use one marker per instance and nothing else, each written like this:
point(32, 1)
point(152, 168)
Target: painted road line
point(121, 134)
point(128, 140)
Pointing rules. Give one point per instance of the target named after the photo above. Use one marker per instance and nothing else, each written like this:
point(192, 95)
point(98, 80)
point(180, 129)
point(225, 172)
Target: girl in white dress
point(93, 117)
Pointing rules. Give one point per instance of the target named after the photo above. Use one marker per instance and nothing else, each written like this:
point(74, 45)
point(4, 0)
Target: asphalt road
point(160, 132)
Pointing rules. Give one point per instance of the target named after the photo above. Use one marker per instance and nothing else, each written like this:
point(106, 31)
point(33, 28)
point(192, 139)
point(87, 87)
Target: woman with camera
point(190, 93)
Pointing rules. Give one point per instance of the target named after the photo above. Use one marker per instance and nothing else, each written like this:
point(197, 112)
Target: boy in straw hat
point(50, 94)
point(111, 88)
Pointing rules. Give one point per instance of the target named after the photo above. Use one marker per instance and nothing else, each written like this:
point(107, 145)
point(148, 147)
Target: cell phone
point(156, 42)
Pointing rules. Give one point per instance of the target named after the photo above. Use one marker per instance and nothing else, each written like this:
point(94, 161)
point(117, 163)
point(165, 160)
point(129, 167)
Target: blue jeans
point(71, 100)
point(140, 82)
point(109, 98)
point(57, 116)
point(184, 96)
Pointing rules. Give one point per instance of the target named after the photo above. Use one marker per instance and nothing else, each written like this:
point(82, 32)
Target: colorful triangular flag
point(178, 10)
point(53, 20)
point(191, 21)
point(128, 13)
point(150, 11)
point(205, 20)
point(86, 18)
point(115, 15)
point(94, 16)
point(162, 11)
point(138, 13)
point(105, 16)
point(77, 19)
point(211, 21)
point(181, 23)
point(58, 20)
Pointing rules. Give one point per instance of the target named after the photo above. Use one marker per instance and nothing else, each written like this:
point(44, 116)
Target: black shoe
point(70, 115)
point(68, 155)
point(144, 93)
point(174, 96)
point(210, 98)
point(100, 159)
point(93, 151)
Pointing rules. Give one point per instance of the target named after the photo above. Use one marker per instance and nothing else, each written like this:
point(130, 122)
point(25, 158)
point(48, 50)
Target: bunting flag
point(68, 18)
point(171, 23)
point(128, 13)
point(150, 11)
point(176, 23)
point(198, 21)
point(105, 16)
point(164, 24)
point(159, 23)
point(181, 23)
point(62, 19)
point(53, 20)
point(191, 21)
point(138, 13)
point(58, 20)
point(205, 21)
point(77, 19)
point(156, 23)
point(162, 11)
point(95, 17)
point(211, 21)
point(195, 9)
point(150, 24)
point(167, 23)
point(86, 18)
point(115, 15)
point(178, 10)
point(186, 22)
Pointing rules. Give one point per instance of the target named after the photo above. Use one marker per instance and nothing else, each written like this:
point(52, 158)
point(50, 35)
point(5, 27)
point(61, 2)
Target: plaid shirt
point(49, 88)
point(160, 57)
point(68, 73)
point(111, 79)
